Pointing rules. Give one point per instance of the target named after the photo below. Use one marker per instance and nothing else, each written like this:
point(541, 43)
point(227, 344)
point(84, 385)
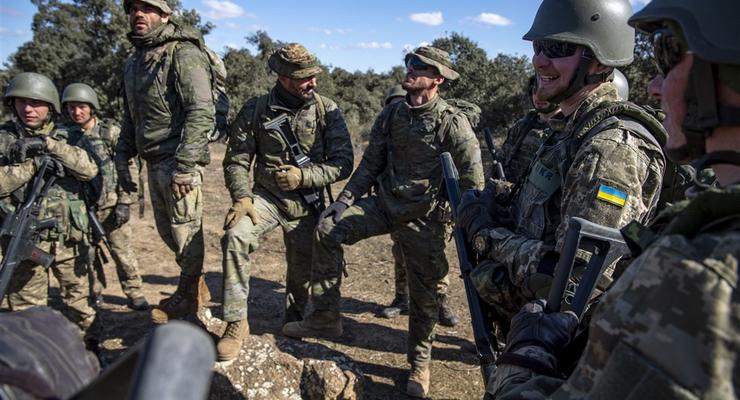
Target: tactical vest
point(103, 139)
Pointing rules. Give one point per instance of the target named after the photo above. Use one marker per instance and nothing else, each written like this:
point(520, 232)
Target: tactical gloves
point(121, 215)
point(531, 326)
point(335, 211)
point(473, 212)
point(288, 178)
point(183, 183)
point(25, 148)
point(241, 207)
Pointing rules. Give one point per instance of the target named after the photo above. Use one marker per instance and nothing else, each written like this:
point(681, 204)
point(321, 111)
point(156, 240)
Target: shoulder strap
point(260, 108)
point(320, 111)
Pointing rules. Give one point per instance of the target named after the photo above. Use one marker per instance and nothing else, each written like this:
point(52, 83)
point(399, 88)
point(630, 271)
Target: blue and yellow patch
point(611, 195)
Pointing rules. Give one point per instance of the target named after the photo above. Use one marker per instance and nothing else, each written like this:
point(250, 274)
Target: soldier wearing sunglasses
point(669, 326)
point(601, 159)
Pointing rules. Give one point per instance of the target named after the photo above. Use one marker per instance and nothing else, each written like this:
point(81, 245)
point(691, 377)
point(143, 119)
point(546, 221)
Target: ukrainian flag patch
point(611, 195)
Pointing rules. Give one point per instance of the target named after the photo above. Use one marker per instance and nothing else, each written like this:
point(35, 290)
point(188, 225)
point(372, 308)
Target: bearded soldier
point(403, 158)
point(668, 327)
point(112, 203)
point(281, 188)
point(168, 115)
point(32, 134)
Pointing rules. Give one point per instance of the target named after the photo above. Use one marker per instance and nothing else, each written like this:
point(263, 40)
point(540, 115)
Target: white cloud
point(408, 47)
point(252, 27)
point(375, 45)
point(330, 31)
point(428, 18)
point(218, 9)
point(492, 19)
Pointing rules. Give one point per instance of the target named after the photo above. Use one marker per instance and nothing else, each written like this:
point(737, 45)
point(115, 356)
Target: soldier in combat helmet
point(34, 100)
point(113, 203)
point(668, 327)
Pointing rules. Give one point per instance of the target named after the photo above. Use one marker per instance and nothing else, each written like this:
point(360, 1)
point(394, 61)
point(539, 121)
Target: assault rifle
point(98, 232)
point(606, 245)
point(498, 169)
point(485, 342)
point(23, 227)
point(281, 124)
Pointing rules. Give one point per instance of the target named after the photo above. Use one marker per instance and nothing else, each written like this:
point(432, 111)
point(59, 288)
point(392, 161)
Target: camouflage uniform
point(407, 204)
point(667, 328)
point(566, 179)
point(103, 138)
point(29, 283)
point(326, 143)
point(521, 144)
point(168, 114)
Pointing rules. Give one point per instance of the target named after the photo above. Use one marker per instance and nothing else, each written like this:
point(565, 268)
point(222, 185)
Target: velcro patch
point(612, 195)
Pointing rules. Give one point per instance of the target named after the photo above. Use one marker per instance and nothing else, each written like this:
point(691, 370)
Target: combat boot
point(447, 316)
point(138, 303)
point(399, 305)
point(204, 294)
point(183, 302)
point(231, 341)
point(418, 385)
point(320, 323)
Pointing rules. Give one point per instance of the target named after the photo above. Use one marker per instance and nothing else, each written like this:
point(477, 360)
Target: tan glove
point(240, 208)
point(288, 178)
point(183, 183)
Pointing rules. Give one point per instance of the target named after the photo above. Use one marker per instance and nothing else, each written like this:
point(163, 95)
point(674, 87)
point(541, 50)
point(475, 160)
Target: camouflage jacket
point(609, 175)
point(168, 103)
point(327, 144)
point(103, 138)
point(668, 328)
point(402, 157)
point(64, 199)
point(522, 141)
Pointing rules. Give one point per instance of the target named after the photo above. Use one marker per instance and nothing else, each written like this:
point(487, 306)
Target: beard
point(416, 86)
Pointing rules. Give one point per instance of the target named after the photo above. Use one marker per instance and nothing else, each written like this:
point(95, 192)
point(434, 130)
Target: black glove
point(25, 148)
point(473, 213)
point(335, 210)
point(531, 326)
point(54, 166)
point(121, 215)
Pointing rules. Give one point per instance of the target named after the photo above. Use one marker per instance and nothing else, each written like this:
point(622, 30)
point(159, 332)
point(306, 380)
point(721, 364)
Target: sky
point(353, 35)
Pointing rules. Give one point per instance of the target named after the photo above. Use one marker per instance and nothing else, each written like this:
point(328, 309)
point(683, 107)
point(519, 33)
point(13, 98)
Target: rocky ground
point(372, 345)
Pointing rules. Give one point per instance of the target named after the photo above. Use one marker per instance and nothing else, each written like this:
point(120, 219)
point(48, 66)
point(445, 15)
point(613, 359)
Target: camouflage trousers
point(179, 222)
point(127, 267)
point(243, 239)
point(29, 285)
point(399, 270)
point(422, 243)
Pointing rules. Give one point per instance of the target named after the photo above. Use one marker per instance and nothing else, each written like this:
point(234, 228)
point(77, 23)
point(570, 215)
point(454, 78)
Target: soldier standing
point(602, 160)
point(408, 202)
point(168, 114)
point(33, 99)
point(112, 202)
point(400, 302)
point(278, 195)
point(669, 325)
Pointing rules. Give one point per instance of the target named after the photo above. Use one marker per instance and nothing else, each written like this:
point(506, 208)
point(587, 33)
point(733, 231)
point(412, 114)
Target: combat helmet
point(622, 84)
point(599, 26)
point(30, 85)
point(395, 91)
point(710, 31)
point(80, 93)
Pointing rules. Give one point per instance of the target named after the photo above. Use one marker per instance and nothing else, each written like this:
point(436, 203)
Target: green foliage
point(641, 71)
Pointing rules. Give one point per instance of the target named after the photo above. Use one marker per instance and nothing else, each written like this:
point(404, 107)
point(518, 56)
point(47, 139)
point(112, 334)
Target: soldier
point(400, 303)
point(602, 160)
point(669, 326)
point(168, 114)
point(277, 196)
point(33, 100)
point(113, 203)
point(525, 137)
point(408, 202)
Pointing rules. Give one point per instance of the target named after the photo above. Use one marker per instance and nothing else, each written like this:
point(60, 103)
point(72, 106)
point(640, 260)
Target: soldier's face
point(420, 79)
point(539, 104)
point(554, 74)
point(303, 88)
point(144, 17)
point(32, 113)
point(80, 113)
point(671, 93)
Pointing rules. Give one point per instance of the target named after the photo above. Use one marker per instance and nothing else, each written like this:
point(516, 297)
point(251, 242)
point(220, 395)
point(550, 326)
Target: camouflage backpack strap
point(260, 108)
point(457, 108)
point(320, 111)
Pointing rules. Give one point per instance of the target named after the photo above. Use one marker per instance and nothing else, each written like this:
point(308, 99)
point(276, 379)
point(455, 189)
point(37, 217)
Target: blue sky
point(354, 35)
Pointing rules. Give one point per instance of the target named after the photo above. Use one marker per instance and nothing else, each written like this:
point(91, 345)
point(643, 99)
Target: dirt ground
point(377, 345)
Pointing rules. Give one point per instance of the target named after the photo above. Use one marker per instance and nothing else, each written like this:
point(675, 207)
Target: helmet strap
point(582, 78)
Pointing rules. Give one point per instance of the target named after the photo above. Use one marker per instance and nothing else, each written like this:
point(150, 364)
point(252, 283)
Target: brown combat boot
point(418, 385)
point(231, 341)
point(181, 303)
point(320, 323)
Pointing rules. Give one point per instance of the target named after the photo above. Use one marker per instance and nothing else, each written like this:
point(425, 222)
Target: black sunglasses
point(553, 48)
point(668, 50)
point(417, 65)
